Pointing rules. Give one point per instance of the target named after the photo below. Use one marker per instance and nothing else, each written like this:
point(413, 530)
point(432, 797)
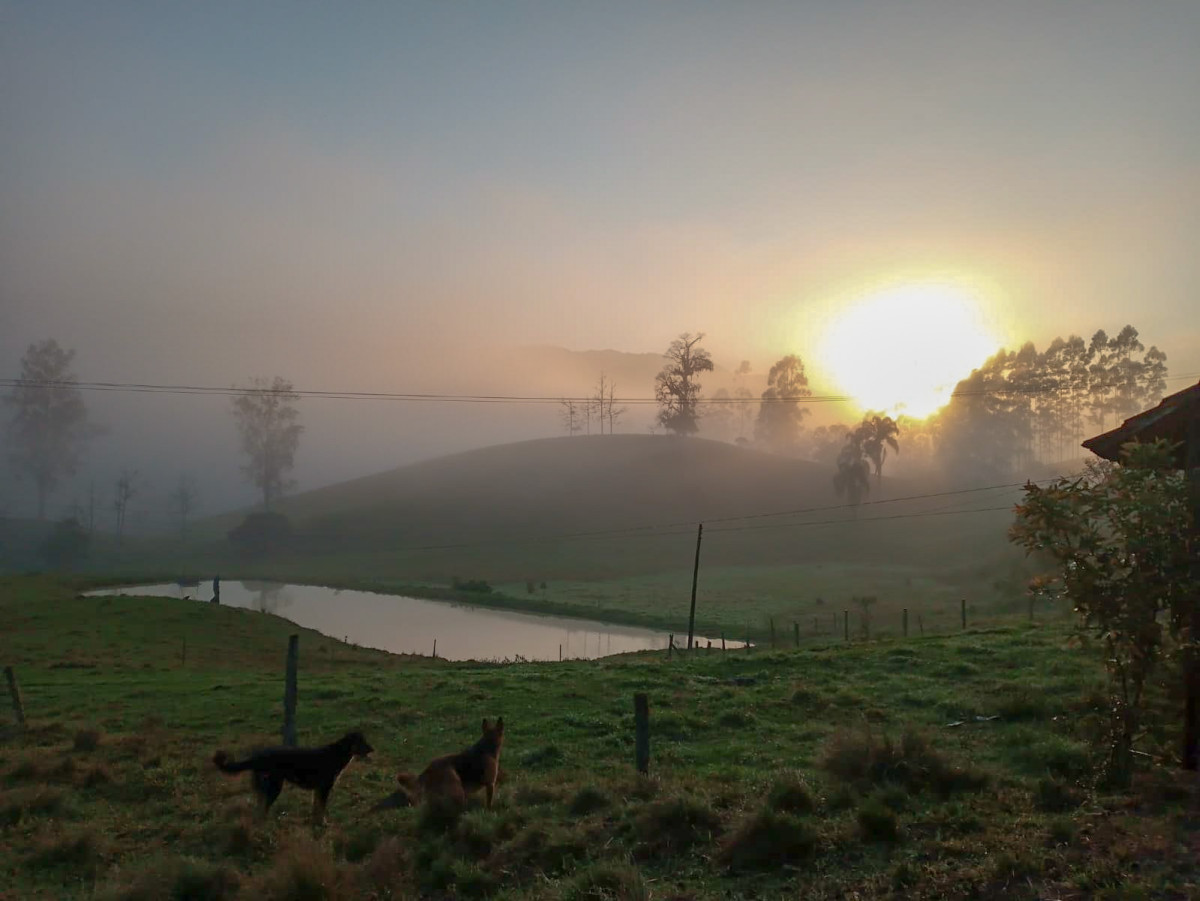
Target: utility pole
point(695, 577)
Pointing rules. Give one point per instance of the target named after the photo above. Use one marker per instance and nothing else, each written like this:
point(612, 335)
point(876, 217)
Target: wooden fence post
point(435, 649)
point(289, 692)
point(772, 622)
point(560, 652)
point(796, 633)
point(641, 720)
point(722, 639)
point(921, 624)
point(906, 622)
point(670, 646)
point(964, 614)
point(846, 624)
point(14, 692)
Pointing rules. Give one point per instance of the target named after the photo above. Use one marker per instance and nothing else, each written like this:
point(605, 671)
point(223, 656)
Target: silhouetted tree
point(123, 492)
point(876, 434)
point(676, 388)
point(268, 423)
point(853, 478)
point(780, 417)
point(182, 502)
point(571, 415)
point(49, 429)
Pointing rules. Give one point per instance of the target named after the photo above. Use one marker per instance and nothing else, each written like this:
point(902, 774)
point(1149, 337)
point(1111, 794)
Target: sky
point(370, 196)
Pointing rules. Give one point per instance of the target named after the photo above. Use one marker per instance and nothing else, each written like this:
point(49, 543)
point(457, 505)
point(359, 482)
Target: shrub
point(877, 822)
point(767, 840)
point(790, 794)
point(86, 740)
point(861, 757)
point(674, 825)
point(607, 882)
point(587, 800)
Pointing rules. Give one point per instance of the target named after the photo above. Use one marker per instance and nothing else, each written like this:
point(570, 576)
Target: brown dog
point(451, 778)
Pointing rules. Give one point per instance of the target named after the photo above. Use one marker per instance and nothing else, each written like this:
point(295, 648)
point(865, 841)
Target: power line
point(684, 527)
point(437, 397)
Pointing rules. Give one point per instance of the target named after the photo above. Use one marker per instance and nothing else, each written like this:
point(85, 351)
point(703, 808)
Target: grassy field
point(827, 772)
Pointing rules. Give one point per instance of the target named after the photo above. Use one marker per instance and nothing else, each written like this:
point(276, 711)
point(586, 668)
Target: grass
point(823, 772)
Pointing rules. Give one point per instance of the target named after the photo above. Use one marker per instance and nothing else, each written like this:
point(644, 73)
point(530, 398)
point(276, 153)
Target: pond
point(404, 625)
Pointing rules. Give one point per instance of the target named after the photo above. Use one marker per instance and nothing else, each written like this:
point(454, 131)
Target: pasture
point(830, 771)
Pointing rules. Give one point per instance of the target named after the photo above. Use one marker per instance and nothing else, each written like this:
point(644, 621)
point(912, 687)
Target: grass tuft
point(674, 825)
point(860, 756)
point(769, 839)
point(588, 799)
point(86, 740)
point(791, 794)
point(607, 881)
point(877, 822)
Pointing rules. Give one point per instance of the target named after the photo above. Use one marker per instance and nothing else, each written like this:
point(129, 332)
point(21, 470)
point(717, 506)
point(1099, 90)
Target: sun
point(903, 349)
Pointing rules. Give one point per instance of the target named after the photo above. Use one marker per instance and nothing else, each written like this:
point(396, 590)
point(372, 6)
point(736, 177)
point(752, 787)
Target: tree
point(571, 415)
point(1119, 537)
point(853, 477)
point(676, 388)
point(182, 502)
point(123, 492)
point(877, 434)
point(604, 402)
point(49, 430)
point(268, 423)
point(781, 418)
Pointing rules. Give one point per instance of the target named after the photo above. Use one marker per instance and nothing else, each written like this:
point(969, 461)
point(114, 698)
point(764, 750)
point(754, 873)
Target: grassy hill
point(823, 773)
point(606, 526)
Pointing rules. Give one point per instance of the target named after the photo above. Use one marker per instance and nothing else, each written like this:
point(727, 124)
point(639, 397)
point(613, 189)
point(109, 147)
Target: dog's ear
point(487, 724)
point(500, 724)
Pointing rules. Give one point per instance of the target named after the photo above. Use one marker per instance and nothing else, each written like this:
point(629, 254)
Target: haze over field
point(468, 199)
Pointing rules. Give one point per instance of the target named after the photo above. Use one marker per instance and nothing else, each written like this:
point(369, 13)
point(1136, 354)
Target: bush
point(877, 822)
point(861, 757)
point(607, 882)
point(790, 794)
point(767, 840)
point(673, 825)
point(587, 800)
point(86, 740)
point(477, 585)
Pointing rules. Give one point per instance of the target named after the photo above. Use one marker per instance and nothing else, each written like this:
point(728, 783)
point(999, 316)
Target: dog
point(316, 769)
point(450, 779)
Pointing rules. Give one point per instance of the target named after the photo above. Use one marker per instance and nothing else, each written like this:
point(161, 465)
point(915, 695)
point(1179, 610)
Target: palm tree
point(877, 434)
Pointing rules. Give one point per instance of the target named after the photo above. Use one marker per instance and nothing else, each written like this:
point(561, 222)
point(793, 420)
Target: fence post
point(846, 624)
point(921, 623)
point(14, 692)
point(435, 649)
point(289, 692)
point(641, 720)
point(670, 646)
point(772, 622)
point(906, 622)
point(722, 639)
point(964, 614)
point(560, 652)
point(796, 633)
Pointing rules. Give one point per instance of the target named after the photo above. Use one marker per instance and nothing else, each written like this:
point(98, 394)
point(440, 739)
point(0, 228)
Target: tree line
point(50, 429)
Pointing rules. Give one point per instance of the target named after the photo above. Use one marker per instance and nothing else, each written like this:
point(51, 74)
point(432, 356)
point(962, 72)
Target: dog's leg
point(268, 787)
point(320, 800)
point(490, 788)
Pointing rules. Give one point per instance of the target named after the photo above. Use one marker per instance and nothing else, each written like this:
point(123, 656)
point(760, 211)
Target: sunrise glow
point(903, 349)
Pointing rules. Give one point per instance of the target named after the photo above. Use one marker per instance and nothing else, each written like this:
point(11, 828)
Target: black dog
point(316, 769)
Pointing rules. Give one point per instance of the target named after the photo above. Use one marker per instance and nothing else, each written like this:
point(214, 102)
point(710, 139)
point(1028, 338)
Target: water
point(404, 625)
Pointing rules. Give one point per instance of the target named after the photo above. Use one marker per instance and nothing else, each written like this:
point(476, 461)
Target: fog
point(469, 199)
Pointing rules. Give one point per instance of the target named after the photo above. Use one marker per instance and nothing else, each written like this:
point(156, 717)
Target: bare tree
point(614, 412)
point(676, 388)
point(270, 429)
point(49, 429)
point(182, 502)
point(124, 491)
point(604, 402)
point(571, 415)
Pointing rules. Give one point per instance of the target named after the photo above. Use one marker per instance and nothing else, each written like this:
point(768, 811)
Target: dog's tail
point(225, 765)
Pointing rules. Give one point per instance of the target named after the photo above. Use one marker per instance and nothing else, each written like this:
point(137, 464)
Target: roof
point(1170, 420)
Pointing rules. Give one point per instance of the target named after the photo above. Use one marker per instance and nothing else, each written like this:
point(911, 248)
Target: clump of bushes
point(862, 756)
point(769, 839)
